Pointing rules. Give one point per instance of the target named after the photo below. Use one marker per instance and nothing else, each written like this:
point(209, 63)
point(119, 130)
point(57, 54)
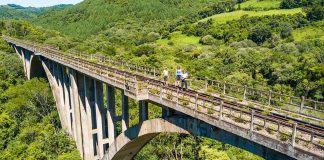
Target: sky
point(38, 3)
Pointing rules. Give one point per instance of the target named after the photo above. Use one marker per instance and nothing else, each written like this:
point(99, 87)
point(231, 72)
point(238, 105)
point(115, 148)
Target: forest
point(266, 44)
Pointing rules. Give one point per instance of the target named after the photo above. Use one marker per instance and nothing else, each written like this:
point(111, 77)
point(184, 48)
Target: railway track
point(313, 129)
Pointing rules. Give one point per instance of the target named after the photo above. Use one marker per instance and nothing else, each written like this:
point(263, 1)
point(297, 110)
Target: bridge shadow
point(36, 68)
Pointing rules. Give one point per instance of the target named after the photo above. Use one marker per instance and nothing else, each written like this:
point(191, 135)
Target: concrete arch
point(130, 142)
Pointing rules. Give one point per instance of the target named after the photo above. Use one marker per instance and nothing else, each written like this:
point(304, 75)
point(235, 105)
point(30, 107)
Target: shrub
point(152, 36)
point(259, 34)
point(210, 111)
point(286, 30)
point(271, 129)
point(243, 44)
point(169, 95)
point(315, 13)
point(288, 4)
point(284, 136)
point(170, 43)
point(239, 119)
point(154, 91)
point(144, 50)
point(258, 128)
point(184, 101)
point(208, 40)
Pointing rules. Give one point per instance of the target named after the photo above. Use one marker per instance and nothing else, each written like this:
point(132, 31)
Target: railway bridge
point(84, 89)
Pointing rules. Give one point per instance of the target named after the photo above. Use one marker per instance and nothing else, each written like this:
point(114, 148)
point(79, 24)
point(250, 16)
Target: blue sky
point(38, 3)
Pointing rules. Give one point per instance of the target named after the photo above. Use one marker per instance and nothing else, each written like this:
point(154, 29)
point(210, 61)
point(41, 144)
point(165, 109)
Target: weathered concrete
point(76, 110)
point(87, 118)
point(125, 114)
point(143, 111)
point(111, 113)
point(57, 95)
point(67, 99)
point(91, 124)
point(101, 113)
point(131, 141)
point(83, 115)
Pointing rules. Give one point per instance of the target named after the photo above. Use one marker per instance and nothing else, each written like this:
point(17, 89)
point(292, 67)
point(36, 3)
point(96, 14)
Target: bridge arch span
point(130, 142)
point(89, 115)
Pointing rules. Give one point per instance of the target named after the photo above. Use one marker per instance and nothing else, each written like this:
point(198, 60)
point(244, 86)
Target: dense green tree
point(260, 34)
point(315, 13)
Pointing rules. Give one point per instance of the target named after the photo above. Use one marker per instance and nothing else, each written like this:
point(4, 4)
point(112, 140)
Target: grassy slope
point(127, 16)
point(223, 18)
point(310, 32)
point(180, 40)
point(265, 4)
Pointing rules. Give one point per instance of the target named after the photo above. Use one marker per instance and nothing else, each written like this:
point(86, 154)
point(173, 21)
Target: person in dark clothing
point(184, 80)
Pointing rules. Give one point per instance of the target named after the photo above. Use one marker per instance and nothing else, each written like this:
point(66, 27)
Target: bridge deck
point(244, 120)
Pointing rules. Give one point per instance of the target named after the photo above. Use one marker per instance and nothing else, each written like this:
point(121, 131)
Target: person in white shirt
point(184, 80)
point(165, 75)
point(178, 75)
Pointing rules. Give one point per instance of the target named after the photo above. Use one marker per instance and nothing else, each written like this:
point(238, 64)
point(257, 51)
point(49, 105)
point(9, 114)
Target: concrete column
point(101, 111)
point(89, 104)
point(24, 60)
point(125, 114)
point(76, 111)
point(143, 111)
point(27, 62)
point(67, 102)
point(83, 116)
point(55, 72)
point(111, 114)
point(18, 50)
point(62, 97)
point(167, 112)
point(56, 94)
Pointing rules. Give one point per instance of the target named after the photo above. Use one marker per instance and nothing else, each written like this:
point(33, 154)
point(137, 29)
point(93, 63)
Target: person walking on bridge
point(178, 75)
point(184, 80)
point(165, 75)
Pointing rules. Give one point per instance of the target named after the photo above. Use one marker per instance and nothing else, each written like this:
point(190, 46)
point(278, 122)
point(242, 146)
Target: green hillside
point(130, 18)
point(270, 45)
point(13, 11)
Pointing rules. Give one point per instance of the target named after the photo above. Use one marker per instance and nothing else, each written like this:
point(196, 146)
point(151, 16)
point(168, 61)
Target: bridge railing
point(264, 97)
point(247, 118)
point(251, 120)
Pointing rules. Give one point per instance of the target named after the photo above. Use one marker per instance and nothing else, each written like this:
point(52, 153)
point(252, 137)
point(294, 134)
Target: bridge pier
point(111, 113)
point(83, 113)
point(143, 111)
point(91, 123)
point(100, 115)
point(76, 110)
point(67, 102)
point(62, 98)
point(79, 100)
point(125, 114)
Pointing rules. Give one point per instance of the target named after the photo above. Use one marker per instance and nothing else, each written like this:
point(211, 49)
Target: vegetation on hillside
point(276, 47)
point(13, 11)
point(29, 123)
point(123, 20)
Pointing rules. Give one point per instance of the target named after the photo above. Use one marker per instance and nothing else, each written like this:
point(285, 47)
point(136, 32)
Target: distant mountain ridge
point(14, 11)
point(120, 18)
